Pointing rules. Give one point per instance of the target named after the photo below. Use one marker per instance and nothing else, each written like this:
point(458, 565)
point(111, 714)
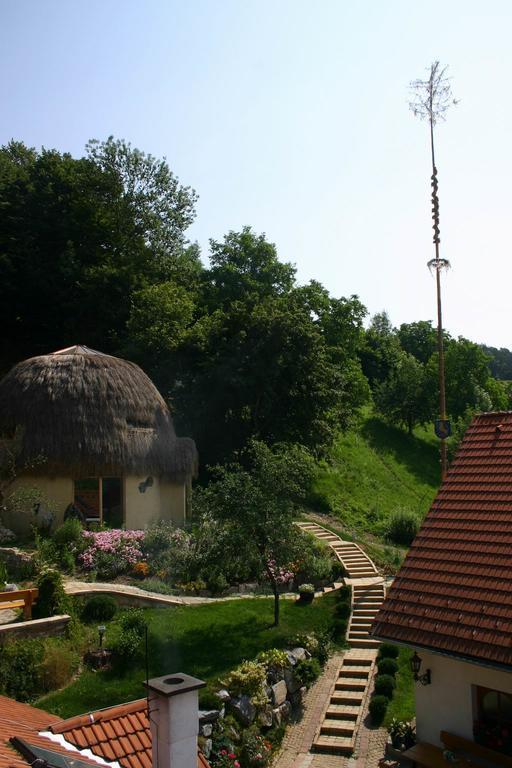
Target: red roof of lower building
point(121, 733)
point(453, 593)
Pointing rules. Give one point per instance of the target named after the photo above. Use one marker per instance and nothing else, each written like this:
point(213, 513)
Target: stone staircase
point(339, 723)
point(366, 601)
point(340, 720)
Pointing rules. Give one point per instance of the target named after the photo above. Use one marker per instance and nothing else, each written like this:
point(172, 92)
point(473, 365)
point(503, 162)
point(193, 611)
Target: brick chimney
point(174, 719)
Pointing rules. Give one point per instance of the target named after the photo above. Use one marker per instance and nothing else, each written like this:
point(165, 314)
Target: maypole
point(431, 100)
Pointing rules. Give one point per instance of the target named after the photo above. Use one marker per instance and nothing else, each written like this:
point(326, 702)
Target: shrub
point(388, 651)
point(387, 666)
point(20, 661)
point(306, 589)
point(6, 535)
point(255, 751)
point(217, 583)
point(59, 664)
point(127, 646)
point(403, 734)
point(111, 553)
point(99, 608)
point(385, 685)
point(248, 678)
point(3, 574)
point(307, 671)
point(52, 599)
point(133, 620)
point(274, 658)
point(402, 527)
point(208, 699)
point(69, 536)
point(377, 708)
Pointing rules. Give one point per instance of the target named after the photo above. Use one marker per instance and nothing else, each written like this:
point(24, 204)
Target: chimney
point(174, 717)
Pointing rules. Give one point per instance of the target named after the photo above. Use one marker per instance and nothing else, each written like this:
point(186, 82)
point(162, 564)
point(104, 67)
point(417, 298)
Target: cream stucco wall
point(447, 704)
point(57, 490)
point(161, 501)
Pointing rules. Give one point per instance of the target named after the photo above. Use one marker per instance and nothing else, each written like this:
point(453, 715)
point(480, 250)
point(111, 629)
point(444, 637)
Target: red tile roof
point(453, 592)
point(120, 733)
point(26, 722)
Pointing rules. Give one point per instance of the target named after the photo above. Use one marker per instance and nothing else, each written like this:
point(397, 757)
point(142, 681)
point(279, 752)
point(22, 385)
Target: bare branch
point(432, 98)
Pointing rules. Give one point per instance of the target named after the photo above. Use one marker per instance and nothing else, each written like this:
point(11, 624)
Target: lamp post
point(101, 634)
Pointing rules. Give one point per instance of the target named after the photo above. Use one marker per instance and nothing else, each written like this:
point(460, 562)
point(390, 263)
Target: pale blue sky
point(292, 117)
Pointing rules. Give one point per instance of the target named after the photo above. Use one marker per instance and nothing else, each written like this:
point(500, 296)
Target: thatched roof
point(88, 414)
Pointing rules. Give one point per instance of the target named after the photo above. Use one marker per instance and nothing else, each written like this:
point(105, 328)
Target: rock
point(303, 691)
point(243, 709)
point(265, 717)
point(207, 748)
point(223, 694)
point(279, 693)
point(206, 730)
point(276, 717)
point(11, 588)
point(300, 654)
point(208, 716)
point(285, 709)
point(291, 658)
point(292, 684)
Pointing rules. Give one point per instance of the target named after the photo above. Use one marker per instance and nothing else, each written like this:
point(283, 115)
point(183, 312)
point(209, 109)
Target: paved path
point(334, 730)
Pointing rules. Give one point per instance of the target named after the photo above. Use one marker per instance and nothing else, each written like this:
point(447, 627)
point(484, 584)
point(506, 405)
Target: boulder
point(206, 730)
point(223, 694)
point(276, 717)
point(300, 654)
point(279, 693)
point(291, 658)
point(243, 709)
point(292, 684)
point(285, 709)
point(208, 716)
point(207, 748)
point(265, 717)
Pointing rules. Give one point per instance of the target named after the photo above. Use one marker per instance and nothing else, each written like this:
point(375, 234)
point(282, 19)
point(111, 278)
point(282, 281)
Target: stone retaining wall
point(128, 598)
point(52, 626)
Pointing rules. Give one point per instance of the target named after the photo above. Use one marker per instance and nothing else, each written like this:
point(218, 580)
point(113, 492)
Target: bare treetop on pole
point(431, 100)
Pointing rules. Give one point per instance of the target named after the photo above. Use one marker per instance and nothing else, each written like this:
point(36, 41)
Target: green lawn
point(205, 641)
point(402, 704)
point(374, 470)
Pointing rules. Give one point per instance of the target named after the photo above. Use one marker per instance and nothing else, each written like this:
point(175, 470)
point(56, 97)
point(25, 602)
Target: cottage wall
point(163, 500)
point(57, 490)
point(448, 703)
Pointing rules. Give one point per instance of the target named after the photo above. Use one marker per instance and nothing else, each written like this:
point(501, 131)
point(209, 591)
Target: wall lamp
point(147, 483)
point(425, 678)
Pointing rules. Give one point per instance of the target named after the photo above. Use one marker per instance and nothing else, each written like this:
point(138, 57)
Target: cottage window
point(493, 724)
point(101, 500)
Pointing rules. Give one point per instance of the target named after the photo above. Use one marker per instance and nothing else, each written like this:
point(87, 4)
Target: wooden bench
point(465, 747)
point(20, 598)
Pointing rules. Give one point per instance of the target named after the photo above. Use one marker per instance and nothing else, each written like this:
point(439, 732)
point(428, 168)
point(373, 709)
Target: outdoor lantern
point(101, 632)
point(424, 679)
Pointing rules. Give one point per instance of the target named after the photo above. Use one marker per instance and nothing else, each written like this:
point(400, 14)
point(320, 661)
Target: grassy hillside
point(373, 471)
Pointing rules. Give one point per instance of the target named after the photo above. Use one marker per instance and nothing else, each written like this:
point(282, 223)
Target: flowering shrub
point(110, 553)
point(226, 759)
point(140, 570)
point(255, 750)
point(281, 574)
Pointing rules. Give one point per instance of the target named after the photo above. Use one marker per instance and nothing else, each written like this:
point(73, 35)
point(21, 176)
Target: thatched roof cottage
point(94, 431)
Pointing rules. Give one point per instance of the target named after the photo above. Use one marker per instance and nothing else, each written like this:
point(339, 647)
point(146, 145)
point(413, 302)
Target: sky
point(291, 116)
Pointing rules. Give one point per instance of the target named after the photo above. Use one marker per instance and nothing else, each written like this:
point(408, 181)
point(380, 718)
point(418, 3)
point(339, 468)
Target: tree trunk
point(276, 603)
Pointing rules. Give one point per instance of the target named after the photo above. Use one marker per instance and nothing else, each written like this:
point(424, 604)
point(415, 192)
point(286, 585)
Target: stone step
point(342, 712)
point(352, 673)
point(367, 601)
point(347, 698)
point(354, 634)
point(334, 745)
point(360, 625)
point(361, 592)
point(354, 661)
point(350, 684)
point(337, 727)
point(359, 643)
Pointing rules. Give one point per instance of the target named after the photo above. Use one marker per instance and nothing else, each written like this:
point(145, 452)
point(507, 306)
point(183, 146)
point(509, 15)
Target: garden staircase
point(339, 724)
point(342, 714)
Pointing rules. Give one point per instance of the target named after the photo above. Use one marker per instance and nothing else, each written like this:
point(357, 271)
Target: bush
point(306, 589)
point(69, 536)
point(255, 751)
point(52, 599)
point(385, 685)
point(387, 666)
point(127, 646)
point(20, 675)
point(217, 583)
point(388, 651)
point(59, 664)
point(133, 620)
point(377, 708)
point(99, 608)
point(307, 671)
point(274, 658)
point(248, 678)
point(402, 527)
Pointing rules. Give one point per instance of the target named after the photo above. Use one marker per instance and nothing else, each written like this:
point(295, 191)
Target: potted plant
point(306, 593)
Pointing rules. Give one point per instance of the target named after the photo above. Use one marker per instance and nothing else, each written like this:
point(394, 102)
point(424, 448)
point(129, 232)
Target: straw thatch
point(82, 413)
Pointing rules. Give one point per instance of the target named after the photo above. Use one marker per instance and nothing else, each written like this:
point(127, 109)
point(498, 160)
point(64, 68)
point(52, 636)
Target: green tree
point(380, 349)
point(260, 496)
point(78, 238)
point(419, 339)
point(403, 397)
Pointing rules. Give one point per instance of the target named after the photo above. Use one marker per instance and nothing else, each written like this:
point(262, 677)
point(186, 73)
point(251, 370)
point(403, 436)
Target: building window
point(493, 724)
point(101, 500)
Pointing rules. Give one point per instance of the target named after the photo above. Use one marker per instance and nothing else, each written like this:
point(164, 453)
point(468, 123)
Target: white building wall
point(447, 704)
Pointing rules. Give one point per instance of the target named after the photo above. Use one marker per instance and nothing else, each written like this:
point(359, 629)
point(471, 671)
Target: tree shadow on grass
point(421, 459)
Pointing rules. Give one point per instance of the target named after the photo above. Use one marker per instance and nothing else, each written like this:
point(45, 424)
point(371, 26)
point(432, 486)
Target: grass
point(205, 641)
point(402, 705)
point(373, 471)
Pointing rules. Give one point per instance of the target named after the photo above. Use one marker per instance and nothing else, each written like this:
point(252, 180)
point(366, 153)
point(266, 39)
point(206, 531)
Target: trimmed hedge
point(387, 666)
point(99, 608)
point(385, 685)
point(388, 651)
point(377, 708)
